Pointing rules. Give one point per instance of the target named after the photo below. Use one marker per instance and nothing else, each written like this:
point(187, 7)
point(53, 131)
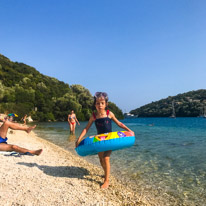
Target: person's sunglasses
point(101, 94)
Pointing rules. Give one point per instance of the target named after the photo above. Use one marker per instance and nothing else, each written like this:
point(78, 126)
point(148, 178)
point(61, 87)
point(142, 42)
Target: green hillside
point(24, 90)
point(190, 104)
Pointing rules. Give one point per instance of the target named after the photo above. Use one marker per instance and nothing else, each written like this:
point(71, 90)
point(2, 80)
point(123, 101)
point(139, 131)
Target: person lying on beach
point(9, 147)
point(103, 122)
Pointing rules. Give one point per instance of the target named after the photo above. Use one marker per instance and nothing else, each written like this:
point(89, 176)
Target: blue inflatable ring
point(105, 142)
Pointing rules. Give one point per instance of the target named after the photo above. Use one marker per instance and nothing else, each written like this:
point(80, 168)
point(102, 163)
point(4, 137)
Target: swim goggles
point(101, 94)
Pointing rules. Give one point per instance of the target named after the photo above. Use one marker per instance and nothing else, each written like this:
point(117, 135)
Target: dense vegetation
point(190, 104)
point(24, 90)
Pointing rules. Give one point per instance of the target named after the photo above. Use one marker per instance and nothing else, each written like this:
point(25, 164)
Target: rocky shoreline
point(57, 177)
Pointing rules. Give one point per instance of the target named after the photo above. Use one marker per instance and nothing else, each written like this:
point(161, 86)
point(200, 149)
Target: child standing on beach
point(103, 122)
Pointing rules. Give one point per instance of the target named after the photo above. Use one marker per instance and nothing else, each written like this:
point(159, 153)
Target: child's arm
point(120, 124)
point(85, 130)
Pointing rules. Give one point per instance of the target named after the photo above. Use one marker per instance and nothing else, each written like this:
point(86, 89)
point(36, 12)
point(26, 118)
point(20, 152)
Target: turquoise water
point(168, 160)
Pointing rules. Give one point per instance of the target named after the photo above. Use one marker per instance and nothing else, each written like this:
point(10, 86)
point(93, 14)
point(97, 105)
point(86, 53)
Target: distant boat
point(128, 115)
point(173, 110)
point(203, 112)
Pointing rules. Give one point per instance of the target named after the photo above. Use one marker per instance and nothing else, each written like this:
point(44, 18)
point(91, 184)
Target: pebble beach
point(57, 177)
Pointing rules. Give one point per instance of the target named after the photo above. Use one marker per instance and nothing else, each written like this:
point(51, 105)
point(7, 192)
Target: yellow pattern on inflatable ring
point(106, 136)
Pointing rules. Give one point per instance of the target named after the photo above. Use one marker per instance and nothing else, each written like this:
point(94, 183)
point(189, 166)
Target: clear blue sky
point(138, 51)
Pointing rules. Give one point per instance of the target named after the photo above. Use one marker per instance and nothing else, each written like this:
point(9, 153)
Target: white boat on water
point(203, 112)
point(173, 110)
point(129, 115)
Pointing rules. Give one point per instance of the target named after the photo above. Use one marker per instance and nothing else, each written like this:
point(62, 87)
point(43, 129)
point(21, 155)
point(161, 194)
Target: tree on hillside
point(24, 90)
point(187, 104)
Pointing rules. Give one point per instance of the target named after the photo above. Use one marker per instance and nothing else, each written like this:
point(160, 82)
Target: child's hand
point(132, 133)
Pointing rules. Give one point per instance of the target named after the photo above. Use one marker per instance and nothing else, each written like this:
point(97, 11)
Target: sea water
point(167, 161)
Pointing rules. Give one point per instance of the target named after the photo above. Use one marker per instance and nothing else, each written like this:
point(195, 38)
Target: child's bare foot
point(28, 130)
point(37, 152)
point(105, 185)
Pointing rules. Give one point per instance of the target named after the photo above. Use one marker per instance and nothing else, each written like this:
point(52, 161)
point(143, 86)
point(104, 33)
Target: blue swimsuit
point(103, 125)
point(2, 140)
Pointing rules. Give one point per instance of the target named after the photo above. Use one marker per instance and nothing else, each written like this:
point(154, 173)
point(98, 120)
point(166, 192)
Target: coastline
point(57, 177)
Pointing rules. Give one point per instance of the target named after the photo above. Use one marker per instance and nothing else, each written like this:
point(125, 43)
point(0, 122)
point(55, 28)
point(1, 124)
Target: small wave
point(136, 124)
